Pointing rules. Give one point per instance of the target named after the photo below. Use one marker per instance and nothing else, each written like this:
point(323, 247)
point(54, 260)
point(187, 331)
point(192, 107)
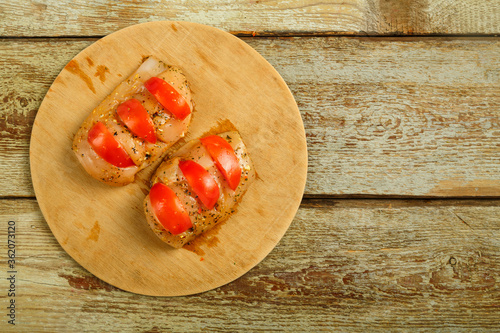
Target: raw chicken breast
point(201, 218)
point(168, 129)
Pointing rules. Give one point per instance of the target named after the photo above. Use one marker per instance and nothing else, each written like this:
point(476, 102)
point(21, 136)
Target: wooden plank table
point(399, 227)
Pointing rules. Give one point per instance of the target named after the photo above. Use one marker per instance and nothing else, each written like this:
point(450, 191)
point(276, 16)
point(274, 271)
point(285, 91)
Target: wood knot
point(452, 261)
point(23, 102)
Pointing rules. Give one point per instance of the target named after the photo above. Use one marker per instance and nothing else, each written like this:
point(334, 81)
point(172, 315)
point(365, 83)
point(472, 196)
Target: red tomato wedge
point(201, 181)
point(168, 209)
point(224, 157)
point(106, 146)
point(137, 119)
point(167, 96)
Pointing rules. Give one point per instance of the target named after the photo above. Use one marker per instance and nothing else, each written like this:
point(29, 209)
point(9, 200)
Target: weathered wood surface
point(383, 116)
point(357, 265)
point(398, 117)
point(98, 17)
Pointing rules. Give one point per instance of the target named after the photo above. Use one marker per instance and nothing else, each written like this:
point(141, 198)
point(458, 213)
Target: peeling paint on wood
point(98, 18)
point(412, 117)
point(343, 265)
point(87, 281)
point(384, 116)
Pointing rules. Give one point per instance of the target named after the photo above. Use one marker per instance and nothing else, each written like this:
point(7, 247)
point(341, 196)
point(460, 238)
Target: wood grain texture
point(412, 117)
point(104, 228)
point(416, 117)
point(100, 17)
point(343, 265)
point(409, 17)
point(383, 116)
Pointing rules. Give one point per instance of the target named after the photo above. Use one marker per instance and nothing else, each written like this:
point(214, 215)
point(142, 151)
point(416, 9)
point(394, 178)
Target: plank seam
point(394, 197)
point(286, 34)
point(325, 198)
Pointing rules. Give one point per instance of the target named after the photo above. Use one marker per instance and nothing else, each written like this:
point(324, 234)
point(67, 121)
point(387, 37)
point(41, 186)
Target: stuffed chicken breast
point(198, 187)
point(135, 125)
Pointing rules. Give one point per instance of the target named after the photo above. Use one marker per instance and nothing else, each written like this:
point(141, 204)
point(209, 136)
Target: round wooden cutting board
point(104, 228)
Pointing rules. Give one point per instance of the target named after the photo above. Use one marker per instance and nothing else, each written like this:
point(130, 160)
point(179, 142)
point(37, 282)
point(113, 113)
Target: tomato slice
point(201, 181)
point(167, 96)
point(224, 157)
point(106, 146)
point(168, 209)
point(137, 119)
